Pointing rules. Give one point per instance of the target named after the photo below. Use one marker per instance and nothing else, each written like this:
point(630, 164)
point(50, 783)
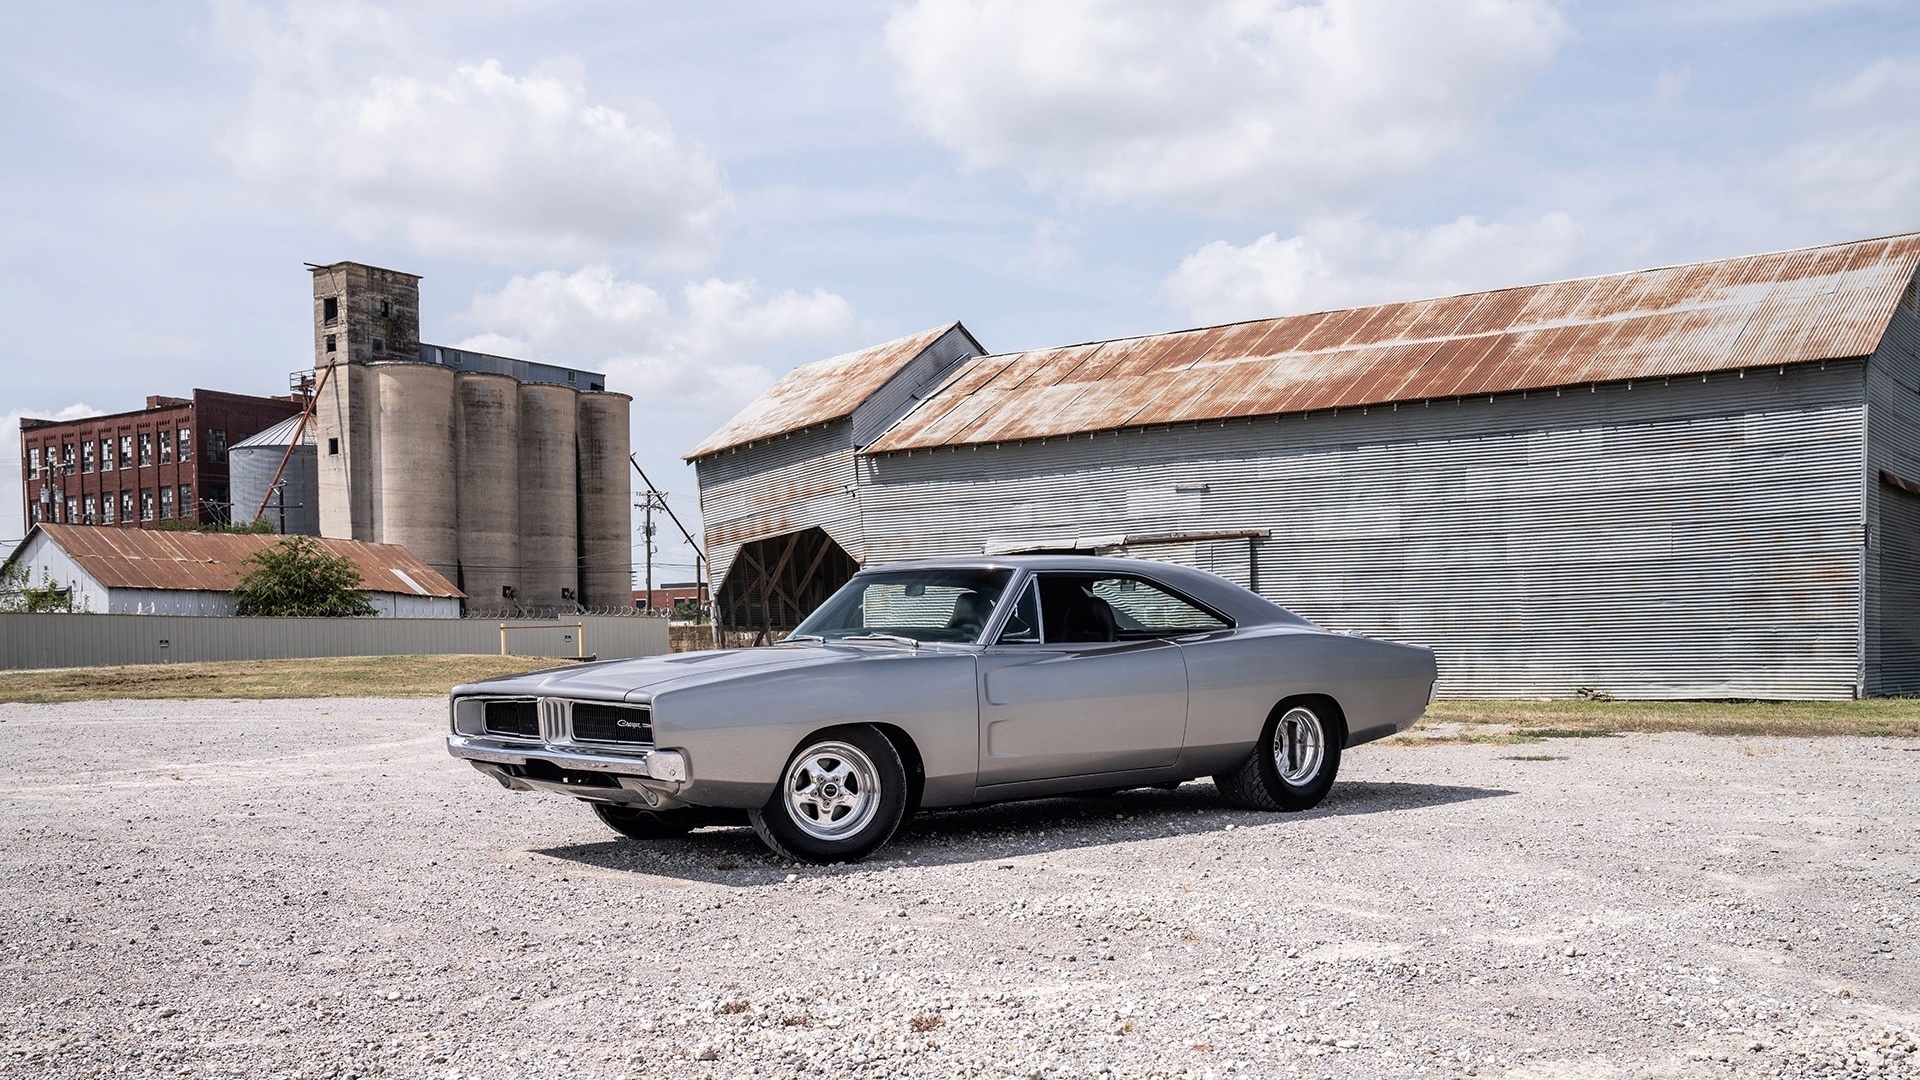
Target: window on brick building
point(166, 502)
point(86, 456)
point(33, 463)
point(166, 447)
point(89, 509)
point(126, 505)
point(146, 504)
point(33, 513)
point(66, 458)
point(187, 509)
point(126, 451)
point(146, 448)
point(106, 508)
point(216, 444)
point(106, 455)
point(73, 511)
point(186, 445)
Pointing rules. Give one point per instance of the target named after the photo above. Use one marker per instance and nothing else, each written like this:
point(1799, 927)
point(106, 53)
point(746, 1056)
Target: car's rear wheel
point(841, 796)
point(638, 824)
point(1293, 765)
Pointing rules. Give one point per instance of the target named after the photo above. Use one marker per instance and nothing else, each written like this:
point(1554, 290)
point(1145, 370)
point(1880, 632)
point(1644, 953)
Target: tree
point(297, 577)
point(19, 593)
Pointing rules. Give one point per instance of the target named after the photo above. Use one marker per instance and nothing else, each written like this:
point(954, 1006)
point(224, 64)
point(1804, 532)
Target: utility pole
point(653, 500)
point(699, 556)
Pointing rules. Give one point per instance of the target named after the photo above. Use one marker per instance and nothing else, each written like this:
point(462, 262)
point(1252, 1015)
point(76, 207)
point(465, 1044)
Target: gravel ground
point(199, 888)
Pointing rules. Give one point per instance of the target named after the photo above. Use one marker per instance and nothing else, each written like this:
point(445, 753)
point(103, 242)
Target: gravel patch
point(315, 889)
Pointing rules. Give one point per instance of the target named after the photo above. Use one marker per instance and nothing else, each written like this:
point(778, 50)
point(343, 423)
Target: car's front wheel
point(1293, 765)
point(841, 796)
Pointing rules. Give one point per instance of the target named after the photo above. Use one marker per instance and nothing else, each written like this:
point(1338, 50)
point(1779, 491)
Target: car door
point(1062, 694)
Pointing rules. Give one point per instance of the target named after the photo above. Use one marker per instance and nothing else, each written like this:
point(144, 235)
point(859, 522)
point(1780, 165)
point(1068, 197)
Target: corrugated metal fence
point(60, 640)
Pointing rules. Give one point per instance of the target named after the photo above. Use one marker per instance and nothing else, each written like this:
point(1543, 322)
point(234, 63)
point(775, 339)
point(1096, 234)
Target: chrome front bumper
point(651, 778)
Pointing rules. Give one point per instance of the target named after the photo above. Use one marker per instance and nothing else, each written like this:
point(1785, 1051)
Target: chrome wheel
point(1299, 745)
point(832, 790)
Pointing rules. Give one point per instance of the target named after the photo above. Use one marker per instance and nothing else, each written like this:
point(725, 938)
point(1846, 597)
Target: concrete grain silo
point(508, 476)
point(606, 547)
point(252, 464)
point(549, 493)
point(487, 478)
point(414, 448)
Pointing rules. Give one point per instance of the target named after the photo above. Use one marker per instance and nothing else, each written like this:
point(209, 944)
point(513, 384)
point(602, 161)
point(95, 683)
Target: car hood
point(617, 679)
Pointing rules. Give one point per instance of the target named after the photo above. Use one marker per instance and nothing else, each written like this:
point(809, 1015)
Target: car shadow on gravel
point(1003, 832)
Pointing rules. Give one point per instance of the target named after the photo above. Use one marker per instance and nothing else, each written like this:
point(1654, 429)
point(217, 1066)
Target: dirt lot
point(313, 888)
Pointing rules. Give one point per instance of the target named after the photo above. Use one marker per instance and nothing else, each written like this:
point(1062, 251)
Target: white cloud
point(1349, 261)
point(1670, 86)
point(717, 345)
point(13, 512)
point(1220, 105)
point(1049, 252)
point(1859, 172)
point(465, 159)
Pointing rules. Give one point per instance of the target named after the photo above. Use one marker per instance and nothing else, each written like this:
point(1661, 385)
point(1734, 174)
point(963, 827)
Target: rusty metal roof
point(819, 392)
point(122, 558)
point(1757, 311)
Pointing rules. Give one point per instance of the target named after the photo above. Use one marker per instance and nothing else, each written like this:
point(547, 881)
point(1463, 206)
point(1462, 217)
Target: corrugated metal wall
point(1698, 538)
point(778, 487)
point(47, 641)
point(1893, 529)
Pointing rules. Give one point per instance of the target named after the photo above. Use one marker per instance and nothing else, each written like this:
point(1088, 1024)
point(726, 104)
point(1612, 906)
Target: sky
point(695, 198)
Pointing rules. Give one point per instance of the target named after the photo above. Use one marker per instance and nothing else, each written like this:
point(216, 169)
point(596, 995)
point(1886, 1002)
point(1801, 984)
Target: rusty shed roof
point(212, 562)
point(819, 392)
point(1762, 310)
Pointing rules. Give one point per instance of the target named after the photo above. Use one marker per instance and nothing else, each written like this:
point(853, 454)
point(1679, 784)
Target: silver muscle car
point(945, 683)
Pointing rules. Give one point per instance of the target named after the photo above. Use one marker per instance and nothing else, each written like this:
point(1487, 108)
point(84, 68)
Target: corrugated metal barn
point(1692, 481)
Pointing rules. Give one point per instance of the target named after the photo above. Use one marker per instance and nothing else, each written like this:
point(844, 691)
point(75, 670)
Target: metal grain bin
point(252, 465)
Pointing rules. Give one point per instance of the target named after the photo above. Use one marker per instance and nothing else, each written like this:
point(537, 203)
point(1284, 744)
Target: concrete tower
point(361, 314)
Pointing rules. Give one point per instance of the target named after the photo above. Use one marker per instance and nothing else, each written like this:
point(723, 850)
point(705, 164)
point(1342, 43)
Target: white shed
point(116, 571)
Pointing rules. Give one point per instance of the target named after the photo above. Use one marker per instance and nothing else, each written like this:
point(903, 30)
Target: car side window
point(1023, 622)
point(1142, 609)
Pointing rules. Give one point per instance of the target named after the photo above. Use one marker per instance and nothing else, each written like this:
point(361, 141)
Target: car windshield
point(924, 605)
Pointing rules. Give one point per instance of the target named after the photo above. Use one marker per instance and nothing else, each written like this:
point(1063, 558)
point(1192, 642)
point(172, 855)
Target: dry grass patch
point(333, 676)
point(1532, 721)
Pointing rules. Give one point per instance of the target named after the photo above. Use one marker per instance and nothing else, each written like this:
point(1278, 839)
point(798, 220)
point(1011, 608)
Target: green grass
point(336, 676)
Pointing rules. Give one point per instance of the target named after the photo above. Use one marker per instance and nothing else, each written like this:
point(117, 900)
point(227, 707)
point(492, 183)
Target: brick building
point(165, 462)
point(670, 594)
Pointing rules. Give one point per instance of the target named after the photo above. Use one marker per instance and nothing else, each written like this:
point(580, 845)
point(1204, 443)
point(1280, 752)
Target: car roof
point(1244, 606)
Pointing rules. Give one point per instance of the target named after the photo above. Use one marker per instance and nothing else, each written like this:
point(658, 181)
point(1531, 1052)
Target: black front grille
point(517, 719)
point(612, 724)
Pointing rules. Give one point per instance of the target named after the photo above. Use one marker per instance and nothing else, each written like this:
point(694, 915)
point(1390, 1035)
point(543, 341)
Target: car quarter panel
point(737, 733)
point(1235, 680)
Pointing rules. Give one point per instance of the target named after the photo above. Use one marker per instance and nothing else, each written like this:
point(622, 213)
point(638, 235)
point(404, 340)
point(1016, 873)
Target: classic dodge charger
point(951, 682)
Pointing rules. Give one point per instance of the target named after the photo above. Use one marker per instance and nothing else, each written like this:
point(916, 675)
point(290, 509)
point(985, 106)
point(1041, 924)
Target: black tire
point(841, 796)
point(638, 824)
point(1293, 765)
